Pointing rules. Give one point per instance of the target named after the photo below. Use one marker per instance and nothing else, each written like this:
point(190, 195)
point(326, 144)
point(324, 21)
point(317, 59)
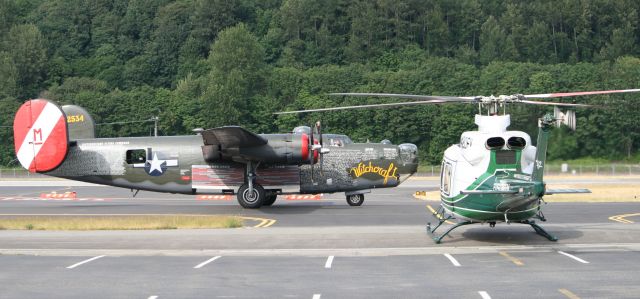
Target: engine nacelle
point(291, 149)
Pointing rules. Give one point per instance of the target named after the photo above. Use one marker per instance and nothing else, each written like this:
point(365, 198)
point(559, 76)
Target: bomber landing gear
point(355, 200)
point(251, 199)
point(270, 198)
point(251, 195)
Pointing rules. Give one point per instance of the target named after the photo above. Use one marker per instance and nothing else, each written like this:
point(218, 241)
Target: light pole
point(155, 125)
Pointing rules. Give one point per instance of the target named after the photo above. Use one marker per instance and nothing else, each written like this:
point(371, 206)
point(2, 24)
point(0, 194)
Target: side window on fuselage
point(136, 156)
point(445, 178)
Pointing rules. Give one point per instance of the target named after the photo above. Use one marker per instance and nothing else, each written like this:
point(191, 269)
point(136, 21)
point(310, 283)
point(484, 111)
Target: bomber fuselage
point(176, 164)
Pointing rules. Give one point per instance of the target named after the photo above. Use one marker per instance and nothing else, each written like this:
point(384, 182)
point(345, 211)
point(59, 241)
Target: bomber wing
point(232, 136)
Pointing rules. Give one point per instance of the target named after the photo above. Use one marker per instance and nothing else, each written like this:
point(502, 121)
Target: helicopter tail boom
point(545, 124)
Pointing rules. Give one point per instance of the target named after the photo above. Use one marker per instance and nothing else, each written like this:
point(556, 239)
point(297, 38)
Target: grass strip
point(98, 222)
point(599, 193)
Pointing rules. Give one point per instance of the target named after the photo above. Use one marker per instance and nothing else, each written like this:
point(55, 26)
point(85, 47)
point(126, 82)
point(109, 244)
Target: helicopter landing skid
point(441, 219)
point(539, 230)
point(438, 239)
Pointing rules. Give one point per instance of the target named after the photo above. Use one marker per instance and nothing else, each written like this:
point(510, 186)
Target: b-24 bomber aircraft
point(60, 142)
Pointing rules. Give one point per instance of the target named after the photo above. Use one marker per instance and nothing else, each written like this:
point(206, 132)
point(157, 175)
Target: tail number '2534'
point(75, 118)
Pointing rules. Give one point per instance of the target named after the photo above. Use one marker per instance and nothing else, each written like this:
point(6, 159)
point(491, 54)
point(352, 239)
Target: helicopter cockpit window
point(445, 178)
point(136, 156)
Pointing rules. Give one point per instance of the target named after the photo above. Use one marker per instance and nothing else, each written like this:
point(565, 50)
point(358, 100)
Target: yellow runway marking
point(621, 218)
point(511, 258)
point(264, 222)
point(568, 293)
point(434, 212)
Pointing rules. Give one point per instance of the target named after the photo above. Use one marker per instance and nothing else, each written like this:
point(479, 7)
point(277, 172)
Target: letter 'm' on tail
point(40, 135)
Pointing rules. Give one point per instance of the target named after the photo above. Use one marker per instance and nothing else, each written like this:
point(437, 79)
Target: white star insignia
point(155, 164)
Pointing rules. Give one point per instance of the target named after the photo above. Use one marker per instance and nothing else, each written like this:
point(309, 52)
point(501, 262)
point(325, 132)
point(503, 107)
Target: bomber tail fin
point(79, 122)
point(41, 136)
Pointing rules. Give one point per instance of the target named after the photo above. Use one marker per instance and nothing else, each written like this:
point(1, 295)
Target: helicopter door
point(445, 177)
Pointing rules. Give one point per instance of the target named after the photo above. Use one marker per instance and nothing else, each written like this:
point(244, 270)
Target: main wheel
point(355, 200)
point(270, 198)
point(251, 200)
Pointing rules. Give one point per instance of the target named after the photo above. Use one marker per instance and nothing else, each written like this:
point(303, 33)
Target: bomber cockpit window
point(336, 140)
point(136, 156)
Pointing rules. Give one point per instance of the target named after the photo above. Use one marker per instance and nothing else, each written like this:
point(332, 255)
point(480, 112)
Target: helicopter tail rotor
point(567, 118)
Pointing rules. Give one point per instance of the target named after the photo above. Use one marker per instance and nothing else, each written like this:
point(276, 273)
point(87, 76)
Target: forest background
point(196, 63)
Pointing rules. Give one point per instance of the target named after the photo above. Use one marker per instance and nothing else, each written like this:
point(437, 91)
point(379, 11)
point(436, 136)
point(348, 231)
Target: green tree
point(25, 46)
point(537, 43)
point(208, 19)
point(171, 30)
point(8, 76)
point(237, 65)
point(365, 31)
point(492, 41)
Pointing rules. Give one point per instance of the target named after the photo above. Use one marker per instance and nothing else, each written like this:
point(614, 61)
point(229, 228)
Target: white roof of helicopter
point(492, 123)
point(472, 143)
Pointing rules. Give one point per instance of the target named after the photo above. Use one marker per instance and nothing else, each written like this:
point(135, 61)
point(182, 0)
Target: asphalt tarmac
point(314, 249)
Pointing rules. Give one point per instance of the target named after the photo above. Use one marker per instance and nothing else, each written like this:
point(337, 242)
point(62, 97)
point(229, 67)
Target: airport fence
point(612, 169)
point(434, 170)
point(18, 173)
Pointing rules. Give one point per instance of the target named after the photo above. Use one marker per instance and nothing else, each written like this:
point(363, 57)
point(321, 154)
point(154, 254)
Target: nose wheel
point(355, 200)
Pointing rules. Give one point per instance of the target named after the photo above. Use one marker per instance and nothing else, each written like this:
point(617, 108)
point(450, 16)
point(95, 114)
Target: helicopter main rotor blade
point(404, 96)
point(575, 94)
point(426, 100)
point(554, 104)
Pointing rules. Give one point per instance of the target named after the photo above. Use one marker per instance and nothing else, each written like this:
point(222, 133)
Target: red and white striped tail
point(41, 136)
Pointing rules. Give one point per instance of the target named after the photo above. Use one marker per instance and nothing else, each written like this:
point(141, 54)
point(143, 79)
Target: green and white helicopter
point(494, 174)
